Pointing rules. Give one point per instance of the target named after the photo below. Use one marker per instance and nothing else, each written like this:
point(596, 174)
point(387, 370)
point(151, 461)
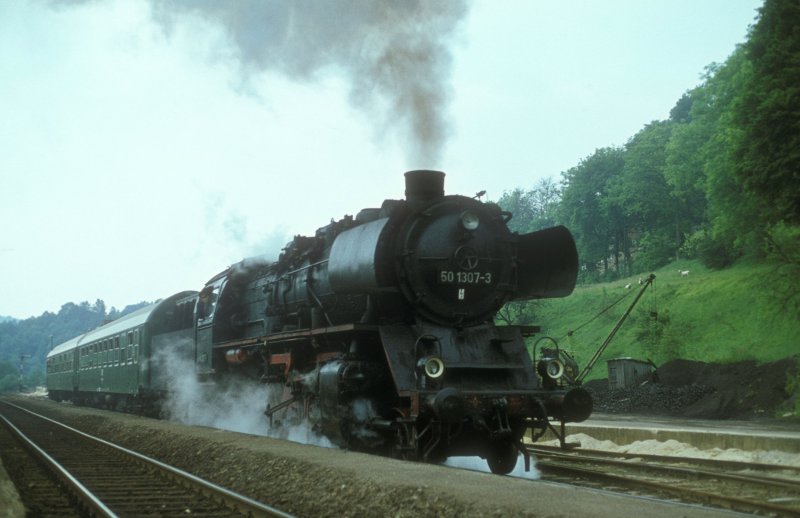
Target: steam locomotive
point(377, 331)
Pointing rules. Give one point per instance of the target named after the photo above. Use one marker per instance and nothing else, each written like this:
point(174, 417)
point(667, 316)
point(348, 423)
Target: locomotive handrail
point(296, 335)
point(306, 267)
point(320, 331)
point(483, 365)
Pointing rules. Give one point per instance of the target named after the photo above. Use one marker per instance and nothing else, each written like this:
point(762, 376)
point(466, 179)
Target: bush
point(655, 250)
point(713, 252)
point(9, 383)
point(783, 249)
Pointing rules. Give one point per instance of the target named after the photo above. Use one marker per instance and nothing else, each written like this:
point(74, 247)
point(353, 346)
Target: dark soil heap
point(743, 390)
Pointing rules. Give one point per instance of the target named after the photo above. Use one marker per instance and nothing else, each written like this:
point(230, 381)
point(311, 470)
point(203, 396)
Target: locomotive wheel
point(502, 457)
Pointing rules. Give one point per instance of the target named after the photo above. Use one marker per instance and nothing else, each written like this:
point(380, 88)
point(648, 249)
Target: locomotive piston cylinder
point(448, 405)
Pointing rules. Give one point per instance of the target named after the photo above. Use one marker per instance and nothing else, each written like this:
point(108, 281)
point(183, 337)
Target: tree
point(646, 198)
point(591, 214)
point(9, 377)
point(520, 204)
point(768, 158)
point(732, 211)
point(684, 170)
point(534, 209)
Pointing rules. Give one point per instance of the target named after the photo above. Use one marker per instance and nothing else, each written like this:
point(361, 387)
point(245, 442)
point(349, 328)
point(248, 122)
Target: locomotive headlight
point(550, 368)
point(470, 220)
point(432, 366)
point(555, 369)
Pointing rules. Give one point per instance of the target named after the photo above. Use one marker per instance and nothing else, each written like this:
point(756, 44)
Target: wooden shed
point(628, 372)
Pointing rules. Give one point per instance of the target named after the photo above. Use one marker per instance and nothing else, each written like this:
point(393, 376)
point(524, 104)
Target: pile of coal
point(740, 390)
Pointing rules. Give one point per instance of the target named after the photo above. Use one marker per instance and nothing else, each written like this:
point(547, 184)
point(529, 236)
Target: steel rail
point(241, 503)
point(676, 470)
point(562, 467)
point(73, 485)
point(714, 463)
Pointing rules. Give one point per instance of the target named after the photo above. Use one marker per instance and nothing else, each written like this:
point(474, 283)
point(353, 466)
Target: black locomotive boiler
point(378, 331)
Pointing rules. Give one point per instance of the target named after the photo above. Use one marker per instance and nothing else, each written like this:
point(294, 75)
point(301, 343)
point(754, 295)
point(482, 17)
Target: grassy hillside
point(708, 315)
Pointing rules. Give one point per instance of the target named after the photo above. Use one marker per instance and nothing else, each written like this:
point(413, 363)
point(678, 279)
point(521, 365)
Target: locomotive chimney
point(424, 185)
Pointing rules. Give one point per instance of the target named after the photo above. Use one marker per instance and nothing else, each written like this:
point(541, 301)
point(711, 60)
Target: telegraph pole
point(22, 357)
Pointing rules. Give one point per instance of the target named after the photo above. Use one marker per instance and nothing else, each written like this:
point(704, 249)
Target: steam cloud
point(393, 53)
point(237, 407)
point(478, 464)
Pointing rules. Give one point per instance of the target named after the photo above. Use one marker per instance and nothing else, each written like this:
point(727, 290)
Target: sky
point(147, 145)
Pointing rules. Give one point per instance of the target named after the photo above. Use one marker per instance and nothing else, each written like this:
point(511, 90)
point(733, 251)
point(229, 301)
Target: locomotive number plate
point(455, 277)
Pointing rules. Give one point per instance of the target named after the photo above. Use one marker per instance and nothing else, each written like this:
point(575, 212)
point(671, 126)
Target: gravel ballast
point(313, 481)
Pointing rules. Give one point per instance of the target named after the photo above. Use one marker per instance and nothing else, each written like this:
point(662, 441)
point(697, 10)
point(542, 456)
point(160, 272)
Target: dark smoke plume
point(393, 53)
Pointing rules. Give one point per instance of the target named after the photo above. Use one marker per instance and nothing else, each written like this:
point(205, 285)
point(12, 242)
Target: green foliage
point(793, 389)
point(591, 211)
point(9, 377)
point(713, 182)
point(684, 169)
point(768, 159)
point(783, 250)
point(709, 315)
point(534, 209)
point(713, 252)
point(34, 336)
point(642, 189)
point(655, 248)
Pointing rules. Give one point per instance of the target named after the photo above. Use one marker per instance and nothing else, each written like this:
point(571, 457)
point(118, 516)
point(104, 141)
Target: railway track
point(71, 473)
point(740, 486)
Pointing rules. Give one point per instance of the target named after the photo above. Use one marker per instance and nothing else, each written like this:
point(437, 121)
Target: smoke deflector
point(547, 264)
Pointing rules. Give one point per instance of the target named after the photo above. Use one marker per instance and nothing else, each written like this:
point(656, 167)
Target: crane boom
point(646, 283)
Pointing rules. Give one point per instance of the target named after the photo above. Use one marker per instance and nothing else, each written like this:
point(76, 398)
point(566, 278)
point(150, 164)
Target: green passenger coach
point(123, 364)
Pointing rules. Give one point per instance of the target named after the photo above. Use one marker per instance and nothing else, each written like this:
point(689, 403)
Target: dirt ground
point(312, 481)
point(684, 388)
